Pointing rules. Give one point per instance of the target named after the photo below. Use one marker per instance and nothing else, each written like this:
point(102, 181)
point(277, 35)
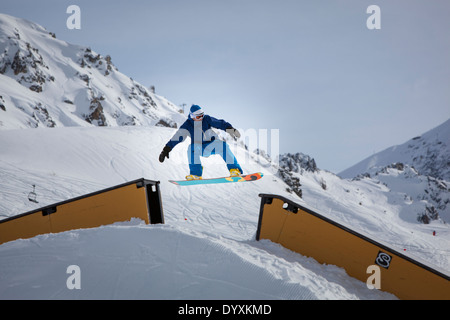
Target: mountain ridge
point(61, 84)
point(428, 153)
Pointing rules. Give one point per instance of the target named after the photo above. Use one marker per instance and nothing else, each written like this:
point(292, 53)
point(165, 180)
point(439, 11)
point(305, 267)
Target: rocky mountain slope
point(429, 154)
point(47, 82)
point(420, 198)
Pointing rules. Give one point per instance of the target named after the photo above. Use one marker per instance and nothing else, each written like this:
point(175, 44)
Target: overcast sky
point(335, 89)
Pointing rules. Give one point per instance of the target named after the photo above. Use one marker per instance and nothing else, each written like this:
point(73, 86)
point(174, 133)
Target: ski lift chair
point(32, 195)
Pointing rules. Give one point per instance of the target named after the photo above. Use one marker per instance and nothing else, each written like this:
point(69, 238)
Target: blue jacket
point(199, 131)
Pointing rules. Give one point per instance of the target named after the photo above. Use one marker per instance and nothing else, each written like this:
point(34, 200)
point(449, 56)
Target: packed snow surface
point(205, 250)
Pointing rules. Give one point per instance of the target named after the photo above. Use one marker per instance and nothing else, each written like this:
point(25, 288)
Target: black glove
point(234, 133)
point(164, 153)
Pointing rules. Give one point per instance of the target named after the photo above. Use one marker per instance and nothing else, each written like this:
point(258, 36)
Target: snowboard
point(243, 178)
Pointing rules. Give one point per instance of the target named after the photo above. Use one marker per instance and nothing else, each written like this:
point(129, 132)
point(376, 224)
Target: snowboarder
point(204, 142)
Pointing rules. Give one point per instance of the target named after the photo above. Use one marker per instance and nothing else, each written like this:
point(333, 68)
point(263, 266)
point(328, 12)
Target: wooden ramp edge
point(307, 232)
point(134, 199)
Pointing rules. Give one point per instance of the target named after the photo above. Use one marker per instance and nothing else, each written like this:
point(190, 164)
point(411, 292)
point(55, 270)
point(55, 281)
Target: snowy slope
point(420, 198)
point(205, 250)
point(47, 82)
point(386, 206)
point(132, 261)
point(429, 154)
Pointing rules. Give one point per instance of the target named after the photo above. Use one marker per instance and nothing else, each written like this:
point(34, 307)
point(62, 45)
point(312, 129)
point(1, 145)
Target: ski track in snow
point(205, 250)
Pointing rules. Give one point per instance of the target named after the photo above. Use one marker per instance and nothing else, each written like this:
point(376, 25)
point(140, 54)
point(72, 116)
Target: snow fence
point(135, 199)
point(311, 234)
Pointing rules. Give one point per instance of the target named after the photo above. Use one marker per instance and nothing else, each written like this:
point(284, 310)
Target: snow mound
point(206, 249)
point(137, 261)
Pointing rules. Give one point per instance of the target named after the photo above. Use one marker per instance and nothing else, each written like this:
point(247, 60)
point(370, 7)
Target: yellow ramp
point(308, 233)
point(135, 199)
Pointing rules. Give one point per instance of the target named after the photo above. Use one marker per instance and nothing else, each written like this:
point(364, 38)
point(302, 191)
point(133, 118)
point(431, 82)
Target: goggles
point(198, 116)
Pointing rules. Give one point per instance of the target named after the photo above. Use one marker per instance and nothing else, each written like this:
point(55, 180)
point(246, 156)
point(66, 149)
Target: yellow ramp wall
point(135, 199)
point(308, 233)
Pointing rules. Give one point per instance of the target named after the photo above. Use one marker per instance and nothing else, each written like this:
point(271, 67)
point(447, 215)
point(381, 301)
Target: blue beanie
point(195, 108)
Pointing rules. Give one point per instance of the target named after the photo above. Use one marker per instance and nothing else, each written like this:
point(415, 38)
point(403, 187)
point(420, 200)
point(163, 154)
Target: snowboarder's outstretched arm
point(178, 137)
point(224, 125)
